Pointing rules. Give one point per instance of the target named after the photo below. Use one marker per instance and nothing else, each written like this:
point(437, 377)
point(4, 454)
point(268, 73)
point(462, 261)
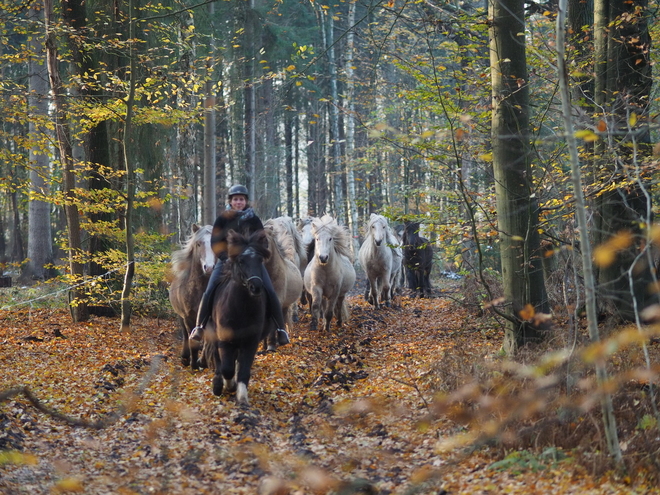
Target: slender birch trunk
point(130, 181)
point(580, 212)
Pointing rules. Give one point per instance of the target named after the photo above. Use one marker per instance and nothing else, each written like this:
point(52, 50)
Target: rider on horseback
point(241, 218)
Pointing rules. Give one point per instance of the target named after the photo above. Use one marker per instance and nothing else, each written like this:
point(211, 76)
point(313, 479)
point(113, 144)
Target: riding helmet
point(237, 189)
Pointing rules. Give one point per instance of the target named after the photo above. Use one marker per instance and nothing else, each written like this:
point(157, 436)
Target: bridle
point(245, 279)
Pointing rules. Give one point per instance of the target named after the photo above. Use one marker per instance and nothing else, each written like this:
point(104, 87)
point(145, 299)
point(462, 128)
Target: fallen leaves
point(341, 412)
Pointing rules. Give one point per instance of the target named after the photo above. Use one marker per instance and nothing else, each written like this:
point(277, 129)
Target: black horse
point(417, 259)
point(239, 321)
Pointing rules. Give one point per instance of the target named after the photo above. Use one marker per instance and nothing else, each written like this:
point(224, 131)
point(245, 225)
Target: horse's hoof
point(271, 348)
point(185, 361)
point(230, 385)
point(242, 395)
point(217, 386)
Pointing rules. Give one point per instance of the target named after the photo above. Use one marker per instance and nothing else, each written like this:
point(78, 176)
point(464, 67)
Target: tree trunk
point(522, 273)
point(77, 303)
point(209, 210)
point(609, 420)
point(350, 127)
point(336, 171)
point(250, 122)
point(40, 247)
point(623, 87)
point(288, 160)
point(130, 181)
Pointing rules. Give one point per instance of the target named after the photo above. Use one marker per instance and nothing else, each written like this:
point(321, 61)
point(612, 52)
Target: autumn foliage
point(410, 399)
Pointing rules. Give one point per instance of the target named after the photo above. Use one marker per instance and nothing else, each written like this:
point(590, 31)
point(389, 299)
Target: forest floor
point(349, 412)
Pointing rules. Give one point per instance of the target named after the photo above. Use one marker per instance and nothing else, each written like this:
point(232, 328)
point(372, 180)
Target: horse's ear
point(195, 228)
point(235, 243)
point(260, 238)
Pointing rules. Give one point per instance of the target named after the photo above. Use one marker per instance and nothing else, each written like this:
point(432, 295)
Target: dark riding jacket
point(244, 222)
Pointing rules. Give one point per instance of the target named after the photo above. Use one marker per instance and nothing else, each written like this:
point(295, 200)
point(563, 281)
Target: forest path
point(341, 413)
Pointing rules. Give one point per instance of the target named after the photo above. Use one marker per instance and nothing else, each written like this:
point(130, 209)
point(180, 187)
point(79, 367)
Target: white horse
point(330, 273)
point(380, 256)
point(304, 227)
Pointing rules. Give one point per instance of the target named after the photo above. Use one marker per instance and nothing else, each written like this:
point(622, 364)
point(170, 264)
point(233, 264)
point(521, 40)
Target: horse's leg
point(419, 277)
point(195, 347)
point(317, 301)
point(386, 290)
point(185, 347)
point(375, 292)
point(224, 380)
point(270, 342)
point(245, 360)
point(339, 314)
point(329, 310)
point(218, 380)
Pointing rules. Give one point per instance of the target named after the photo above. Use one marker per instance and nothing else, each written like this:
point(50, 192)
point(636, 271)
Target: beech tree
point(622, 96)
point(40, 245)
point(517, 208)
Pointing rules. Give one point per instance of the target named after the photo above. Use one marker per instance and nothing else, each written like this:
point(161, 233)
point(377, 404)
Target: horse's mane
point(391, 237)
point(277, 240)
point(340, 234)
point(237, 243)
point(411, 233)
point(182, 258)
point(286, 236)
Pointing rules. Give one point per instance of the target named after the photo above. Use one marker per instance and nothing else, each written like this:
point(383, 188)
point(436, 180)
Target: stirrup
point(282, 337)
point(197, 333)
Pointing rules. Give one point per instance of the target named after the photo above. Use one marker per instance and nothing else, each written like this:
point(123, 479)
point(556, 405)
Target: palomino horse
point(290, 240)
point(238, 322)
point(380, 256)
point(191, 269)
point(417, 259)
point(330, 273)
point(284, 273)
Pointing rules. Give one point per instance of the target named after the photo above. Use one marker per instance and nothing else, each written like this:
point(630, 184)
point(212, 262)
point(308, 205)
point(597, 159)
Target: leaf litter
point(348, 412)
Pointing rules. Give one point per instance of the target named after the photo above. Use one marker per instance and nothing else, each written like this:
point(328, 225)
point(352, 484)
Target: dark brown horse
point(238, 322)
point(417, 259)
point(191, 269)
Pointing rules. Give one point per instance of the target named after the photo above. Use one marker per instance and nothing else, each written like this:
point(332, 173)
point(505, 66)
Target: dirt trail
point(341, 413)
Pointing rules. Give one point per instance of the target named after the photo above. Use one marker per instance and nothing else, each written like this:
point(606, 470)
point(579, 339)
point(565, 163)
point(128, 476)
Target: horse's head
point(247, 256)
point(410, 233)
point(378, 228)
point(322, 231)
point(305, 229)
point(200, 243)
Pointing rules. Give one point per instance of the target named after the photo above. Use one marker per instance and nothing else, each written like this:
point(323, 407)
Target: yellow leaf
point(69, 485)
point(422, 474)
point(604, 256)
point(15, 457)
point(527, 313)
point(586, 135)
point(632, 120)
